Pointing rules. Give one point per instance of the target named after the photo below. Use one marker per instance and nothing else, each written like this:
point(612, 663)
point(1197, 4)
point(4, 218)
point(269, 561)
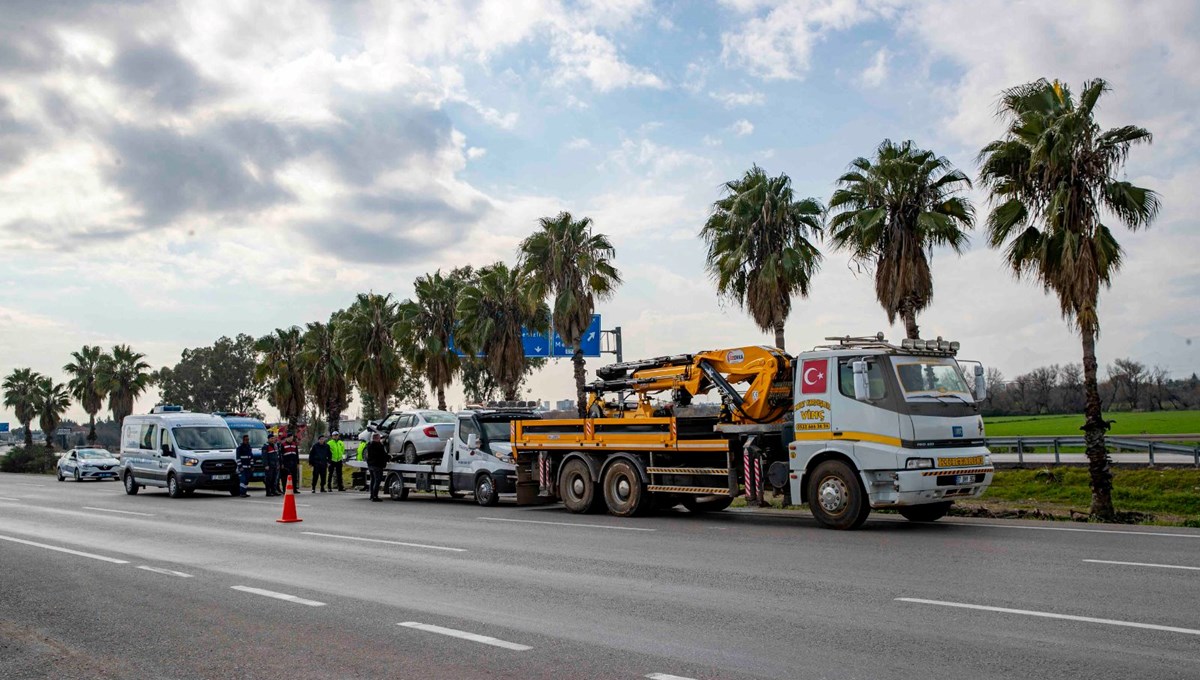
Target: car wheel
point(173, 488)
point(931, 512)
point(485, 491)
point(410, 453)
point(131, 486)
point(58, 473)
point(576, 489)
point(836, 497)
point(624, 492)
point(696, 506)
point(77, 475)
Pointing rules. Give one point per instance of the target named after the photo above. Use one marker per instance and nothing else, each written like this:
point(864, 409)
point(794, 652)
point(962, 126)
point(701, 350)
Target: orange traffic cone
point(289, 505)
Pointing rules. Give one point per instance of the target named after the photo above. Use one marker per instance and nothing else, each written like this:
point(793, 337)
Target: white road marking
point(279, 596)
point(1143, 564)
point(380, 540)
point(464, 635)
point(278, 505)
point(1085, 531)
point(665, 676)
point(563, 524)
point(102, 558)
point(28, 484)
point(1050, 615)
point(123, 512)
point(5, 498)
point(168, 572)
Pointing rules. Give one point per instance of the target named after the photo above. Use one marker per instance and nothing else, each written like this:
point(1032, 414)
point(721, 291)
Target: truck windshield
point(258, 435)
point(496, 430)
point(203, 438)
point(930, 378)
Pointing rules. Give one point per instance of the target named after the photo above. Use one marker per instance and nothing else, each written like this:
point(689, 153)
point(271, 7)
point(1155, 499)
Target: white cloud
point(592, 57)
point(474, 152)
point(742, 127)
point(876, 72)
point(734, 99)
point(578, 144)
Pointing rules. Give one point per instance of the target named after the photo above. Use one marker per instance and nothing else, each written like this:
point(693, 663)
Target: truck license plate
point(220, 477)
point(964, 479)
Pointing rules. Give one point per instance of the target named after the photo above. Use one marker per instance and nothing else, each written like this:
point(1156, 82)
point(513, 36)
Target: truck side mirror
point(980, 384)
point(472, 441)
point(862, 383)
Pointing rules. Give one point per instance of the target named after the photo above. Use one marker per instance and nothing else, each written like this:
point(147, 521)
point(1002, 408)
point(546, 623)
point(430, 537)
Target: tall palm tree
point(51, 400)
point(426, 328)
point(19, 395)
point(281, 369)
point(125, 377)
point(891, 213)
point(85, 384)
point(493, 309)
point(758, 248)
point(1053, 178)
point(368, 345)
point(566, 259)
point(324, 370)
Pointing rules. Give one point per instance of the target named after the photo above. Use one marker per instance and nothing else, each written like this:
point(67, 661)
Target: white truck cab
point(885, 426)
point(178, 450)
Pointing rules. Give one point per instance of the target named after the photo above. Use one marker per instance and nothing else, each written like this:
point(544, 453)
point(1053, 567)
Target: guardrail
point(1055, 445)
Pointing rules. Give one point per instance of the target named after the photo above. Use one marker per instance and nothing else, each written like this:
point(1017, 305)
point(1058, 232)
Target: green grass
point(1163, 493)
point(1157, 422)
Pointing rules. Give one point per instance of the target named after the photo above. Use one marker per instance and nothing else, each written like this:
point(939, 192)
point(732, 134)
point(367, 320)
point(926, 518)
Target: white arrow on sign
point(538, 348)
point(591, 335)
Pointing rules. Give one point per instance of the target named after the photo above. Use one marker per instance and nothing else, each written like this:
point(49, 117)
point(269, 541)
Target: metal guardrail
point(1023, 445)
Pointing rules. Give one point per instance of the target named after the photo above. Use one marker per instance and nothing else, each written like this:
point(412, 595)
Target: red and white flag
point(812, 376)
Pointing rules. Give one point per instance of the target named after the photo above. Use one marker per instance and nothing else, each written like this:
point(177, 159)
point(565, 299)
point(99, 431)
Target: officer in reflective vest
point(337, 453)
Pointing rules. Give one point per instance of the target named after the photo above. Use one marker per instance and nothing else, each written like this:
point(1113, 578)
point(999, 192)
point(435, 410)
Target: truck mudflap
point(891, 488)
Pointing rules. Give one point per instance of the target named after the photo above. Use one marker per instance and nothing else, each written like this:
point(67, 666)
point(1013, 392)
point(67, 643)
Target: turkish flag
point(812, 376)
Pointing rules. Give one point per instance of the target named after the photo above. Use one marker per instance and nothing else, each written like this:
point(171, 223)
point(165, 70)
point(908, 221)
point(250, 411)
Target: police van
point(181, 451)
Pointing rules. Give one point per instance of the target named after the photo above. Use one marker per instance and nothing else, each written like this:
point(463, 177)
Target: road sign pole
point(617, 338)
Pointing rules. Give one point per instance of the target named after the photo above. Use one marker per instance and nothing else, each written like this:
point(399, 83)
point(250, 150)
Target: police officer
point(377, 458)
point(318, 457)
point(337, 453)
point(289, 461)
point(270, 452)
point(245, 464)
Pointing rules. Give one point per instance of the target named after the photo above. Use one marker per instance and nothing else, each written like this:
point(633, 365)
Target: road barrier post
point(1056, 458)
point(1020, 451)
point(1150, 450)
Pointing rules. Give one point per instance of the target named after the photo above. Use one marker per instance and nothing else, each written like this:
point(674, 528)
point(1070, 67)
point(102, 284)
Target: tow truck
point(855, 424)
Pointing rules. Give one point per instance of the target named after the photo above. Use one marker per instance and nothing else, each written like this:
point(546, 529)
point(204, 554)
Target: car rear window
point(438, 417)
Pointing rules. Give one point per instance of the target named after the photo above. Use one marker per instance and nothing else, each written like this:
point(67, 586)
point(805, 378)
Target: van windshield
point(202, 438)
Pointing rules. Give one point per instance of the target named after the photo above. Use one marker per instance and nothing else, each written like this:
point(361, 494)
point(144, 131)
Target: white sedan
point(81, 464)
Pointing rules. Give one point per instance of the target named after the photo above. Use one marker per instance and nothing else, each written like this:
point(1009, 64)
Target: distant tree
point(365, 337)
point(215, 378)
point(51, 400)
point(426, 328)
point(281, 370)
point(20, 394)
point(759, 253)
point(1128, 377)
point(410, 389)
point(326, 377)
point(1070, 380)
point(494, 309)
point(125, 376)
point(1158, 379)
point(1042, 382)
point(480, 387)
point(85, 385)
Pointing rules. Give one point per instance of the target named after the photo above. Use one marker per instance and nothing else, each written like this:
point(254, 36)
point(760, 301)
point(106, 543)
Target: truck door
point(873, 425)
point(461, 463)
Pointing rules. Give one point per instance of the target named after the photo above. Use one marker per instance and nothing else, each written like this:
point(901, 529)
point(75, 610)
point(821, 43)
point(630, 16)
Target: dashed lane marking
point(6, 498)
point(278, 596)
point(168, 572)
point(1144, 564)
point(1051, 615)
point(68, 551)
point(380, 540)
point(665, 676)
point(122, 512)
point(563, 524)
point(1082, 531)
point(464, 635)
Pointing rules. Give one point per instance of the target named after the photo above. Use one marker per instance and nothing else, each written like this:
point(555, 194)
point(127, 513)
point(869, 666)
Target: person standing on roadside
point(361, 453)
point(377, 458)
point(289, 461)
point(245, 464)
point(337, 453)
point(318, 457)
point(270, 453)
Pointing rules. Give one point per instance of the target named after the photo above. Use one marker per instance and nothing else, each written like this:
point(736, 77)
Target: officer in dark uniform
point(270, 452)
point(245, 464)
point(289, 461)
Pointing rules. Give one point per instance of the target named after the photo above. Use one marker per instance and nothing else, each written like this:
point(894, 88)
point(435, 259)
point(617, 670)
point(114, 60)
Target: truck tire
point(173, 488)
point(410, 454)
point(696, 506)
point(930, 512)
point(395, 487)
point(131, 487)
point(576, 489)
point(624, 492)
point(836, 497)
point(485, 491)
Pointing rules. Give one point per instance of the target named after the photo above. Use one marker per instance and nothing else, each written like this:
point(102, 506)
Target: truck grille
point(218, 467)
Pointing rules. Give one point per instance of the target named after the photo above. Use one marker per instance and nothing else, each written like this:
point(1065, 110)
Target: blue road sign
point(3, 427)
point(589, 343)
point(536, 344)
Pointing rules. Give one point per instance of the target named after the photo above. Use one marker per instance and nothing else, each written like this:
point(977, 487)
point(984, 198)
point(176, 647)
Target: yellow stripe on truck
point(847, 436)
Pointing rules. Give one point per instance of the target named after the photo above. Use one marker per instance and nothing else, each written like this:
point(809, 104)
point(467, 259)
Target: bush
point(34, 460)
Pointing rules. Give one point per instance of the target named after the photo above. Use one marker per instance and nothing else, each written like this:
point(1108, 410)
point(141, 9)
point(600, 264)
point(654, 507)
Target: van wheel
point(696, 506)
point(173, 488)
point(485, 491)
point(836, 497)
point(930, 512)
point(395, 487)
point(131, 487)
point(410, 453)
point(576, 489)
point(624, 492)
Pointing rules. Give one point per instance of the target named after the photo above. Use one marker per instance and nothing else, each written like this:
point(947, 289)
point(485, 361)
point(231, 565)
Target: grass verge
point(1125, 423)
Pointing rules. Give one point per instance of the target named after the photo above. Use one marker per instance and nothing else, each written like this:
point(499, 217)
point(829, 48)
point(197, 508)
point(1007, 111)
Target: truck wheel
point(395, 488)
point(173, 488)
point(131, 487)
point(485, 491)
point(410, 453)
point(836, 497)
point(696, 506)
point(576, 489)
point(624, 492)
point(930, 512)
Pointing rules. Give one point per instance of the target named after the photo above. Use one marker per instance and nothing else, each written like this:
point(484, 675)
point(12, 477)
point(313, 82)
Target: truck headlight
point(918, 463)
point(190, 462)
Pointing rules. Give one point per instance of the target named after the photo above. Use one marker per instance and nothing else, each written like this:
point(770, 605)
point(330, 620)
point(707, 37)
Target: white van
point(178, 450)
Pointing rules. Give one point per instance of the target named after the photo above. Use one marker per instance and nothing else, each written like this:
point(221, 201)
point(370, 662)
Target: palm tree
point(426, 328)
point(51, 400)
point(1052, 178)
point(19, 389)
point(124, 376)
point(891, 213)
point(493, 309)
point(368, 345)
point(85, 384)
point(280, 368)
point(324, 370)
point(758, 248)
point(567, 260)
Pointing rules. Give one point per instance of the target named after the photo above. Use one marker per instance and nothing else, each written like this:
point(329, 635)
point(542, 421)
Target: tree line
point(1056, 389)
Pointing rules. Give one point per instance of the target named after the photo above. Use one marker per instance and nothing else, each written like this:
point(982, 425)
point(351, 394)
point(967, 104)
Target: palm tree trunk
point(441, 395)
point(91, 429)
point(779, 335)
point(580, 375)
point(28, 434)
point(910, 325)
point(1094, 428)
point(511, 392)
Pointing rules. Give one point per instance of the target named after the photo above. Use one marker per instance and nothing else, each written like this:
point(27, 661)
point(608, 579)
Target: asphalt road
point(191, 588)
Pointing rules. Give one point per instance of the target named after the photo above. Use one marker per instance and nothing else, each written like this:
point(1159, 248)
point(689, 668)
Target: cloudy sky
point(174, 172)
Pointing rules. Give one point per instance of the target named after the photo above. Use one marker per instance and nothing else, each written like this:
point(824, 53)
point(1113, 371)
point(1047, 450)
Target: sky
point(174, 172)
